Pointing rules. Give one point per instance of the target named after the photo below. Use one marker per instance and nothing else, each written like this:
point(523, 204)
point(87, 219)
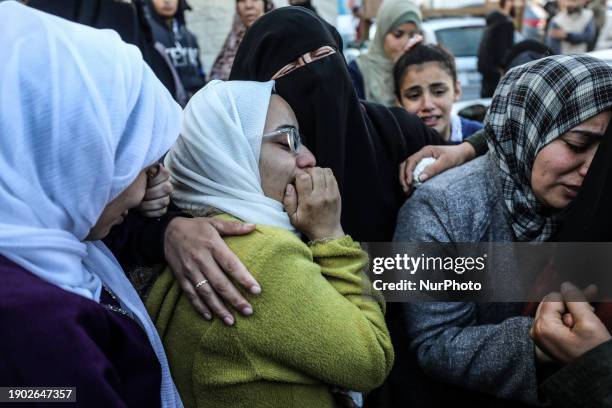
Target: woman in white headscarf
point(314, 327)
point(82, 118)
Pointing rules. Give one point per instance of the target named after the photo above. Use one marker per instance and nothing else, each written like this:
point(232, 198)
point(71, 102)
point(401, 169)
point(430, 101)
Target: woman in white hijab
point(82, 118)
point(314, 327)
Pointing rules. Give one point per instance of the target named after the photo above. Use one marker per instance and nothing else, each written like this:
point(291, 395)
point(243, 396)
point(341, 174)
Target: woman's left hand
point(157, 196)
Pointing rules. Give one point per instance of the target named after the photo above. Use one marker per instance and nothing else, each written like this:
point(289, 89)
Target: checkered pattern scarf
point(533, 105)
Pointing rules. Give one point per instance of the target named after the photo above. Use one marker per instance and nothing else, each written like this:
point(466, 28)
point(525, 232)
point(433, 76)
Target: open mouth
point(571, 191)
point(431, 121)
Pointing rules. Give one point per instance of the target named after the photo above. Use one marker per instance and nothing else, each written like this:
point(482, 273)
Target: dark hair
point(267, 5)
point(421, 54)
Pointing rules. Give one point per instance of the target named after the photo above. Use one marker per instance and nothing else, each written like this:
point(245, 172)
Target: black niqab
point(363, 153)
point(588, 219)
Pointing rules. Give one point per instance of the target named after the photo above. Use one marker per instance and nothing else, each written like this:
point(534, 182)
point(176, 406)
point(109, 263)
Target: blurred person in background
point(181, 45)
point(524, 52)
point(599, 8)
point(497, 39)
point(398, 21)
point(572, 29)
point(426, 84)
point(247, 11)
point(129, 21)
point(304, 3)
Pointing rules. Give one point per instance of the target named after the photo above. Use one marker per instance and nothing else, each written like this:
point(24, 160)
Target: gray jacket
point(481, 347)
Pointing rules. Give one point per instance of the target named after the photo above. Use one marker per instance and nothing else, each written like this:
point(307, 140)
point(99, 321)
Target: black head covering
point(526, 51)
point(362, 143)
point(321, 93)
point(308, 4)
point(588, 217)
point(588, 220)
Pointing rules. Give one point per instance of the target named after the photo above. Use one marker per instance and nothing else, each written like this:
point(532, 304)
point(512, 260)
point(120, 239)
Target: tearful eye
point(576, 147)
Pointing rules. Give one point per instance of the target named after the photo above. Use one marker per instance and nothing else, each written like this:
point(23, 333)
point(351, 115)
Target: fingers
point(194, 249)
point(230, 227)
point(158, 175)
point(435, 168)
point(331, 182)
point(232, 266)
point(411, 162)
point(303, 185)
point(220, 290)
point(551, 306)
point(160, 190)
point(576, 302)
point(590, 292)
point(568, 320)
point(290, 200)
point(156, 213)
point(157, 195)
point(188, 288)
point(206, 294)
point(318, 179)
point(155, 205)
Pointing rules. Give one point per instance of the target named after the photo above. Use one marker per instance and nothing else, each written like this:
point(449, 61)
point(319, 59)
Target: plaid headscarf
point(533, 105)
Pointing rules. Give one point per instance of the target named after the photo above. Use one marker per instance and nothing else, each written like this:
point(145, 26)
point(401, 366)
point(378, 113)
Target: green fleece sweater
point(314, 326)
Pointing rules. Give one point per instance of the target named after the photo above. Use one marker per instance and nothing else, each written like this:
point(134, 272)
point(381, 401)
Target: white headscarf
point(81, 115)
point(215, 161)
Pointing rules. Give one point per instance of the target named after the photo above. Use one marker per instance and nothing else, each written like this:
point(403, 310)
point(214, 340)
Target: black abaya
point(363, 143)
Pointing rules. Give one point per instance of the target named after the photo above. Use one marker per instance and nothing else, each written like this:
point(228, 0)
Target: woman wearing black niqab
point(363, 143)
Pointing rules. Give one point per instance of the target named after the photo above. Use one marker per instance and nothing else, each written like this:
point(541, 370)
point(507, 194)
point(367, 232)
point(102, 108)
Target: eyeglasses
point(293, 137)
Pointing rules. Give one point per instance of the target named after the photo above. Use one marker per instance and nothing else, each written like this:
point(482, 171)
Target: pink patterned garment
point(223, 63)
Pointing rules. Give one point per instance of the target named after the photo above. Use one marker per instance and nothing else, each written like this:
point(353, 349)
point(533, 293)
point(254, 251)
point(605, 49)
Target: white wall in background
point(211, 20)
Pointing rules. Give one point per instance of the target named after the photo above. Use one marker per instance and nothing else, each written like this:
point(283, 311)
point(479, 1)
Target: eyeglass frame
point(293, 134)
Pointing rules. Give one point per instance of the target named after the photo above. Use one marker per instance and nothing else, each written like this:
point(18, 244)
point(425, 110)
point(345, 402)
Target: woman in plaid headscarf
point(543, 129)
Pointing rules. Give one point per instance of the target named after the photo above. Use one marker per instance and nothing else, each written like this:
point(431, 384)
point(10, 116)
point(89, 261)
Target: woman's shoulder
point(458, 183)
point(461, 200)
point(49, 312)
point(265, 241)
point(23, 293)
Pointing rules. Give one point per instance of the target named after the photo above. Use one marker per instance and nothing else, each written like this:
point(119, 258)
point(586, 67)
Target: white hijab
point(215, 161)
point(81, 115)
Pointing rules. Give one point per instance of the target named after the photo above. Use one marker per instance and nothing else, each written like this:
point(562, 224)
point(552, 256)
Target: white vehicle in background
point(476, 109)
point(605, 55)
point(461, 36)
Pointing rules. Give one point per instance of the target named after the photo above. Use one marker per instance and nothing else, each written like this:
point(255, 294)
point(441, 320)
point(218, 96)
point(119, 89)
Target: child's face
point(428, 91)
